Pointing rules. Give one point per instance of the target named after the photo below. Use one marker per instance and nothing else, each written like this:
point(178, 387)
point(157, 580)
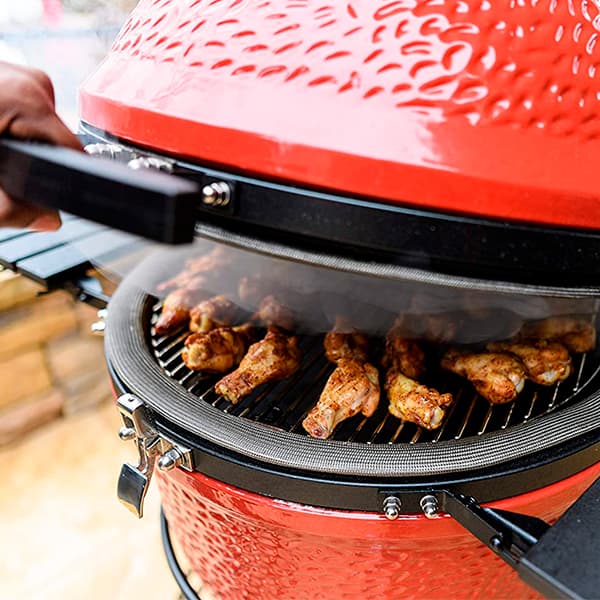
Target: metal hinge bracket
point(153, 448)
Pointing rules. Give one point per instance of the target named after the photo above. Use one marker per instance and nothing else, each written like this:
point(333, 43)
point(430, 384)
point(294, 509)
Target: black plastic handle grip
point(148, 203)
point(565, 563)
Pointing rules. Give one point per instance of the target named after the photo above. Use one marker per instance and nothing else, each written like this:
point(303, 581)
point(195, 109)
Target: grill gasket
point(285, 404)
point(129, 351)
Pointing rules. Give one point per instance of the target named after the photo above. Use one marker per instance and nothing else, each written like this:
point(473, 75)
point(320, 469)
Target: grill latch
point(153, 448)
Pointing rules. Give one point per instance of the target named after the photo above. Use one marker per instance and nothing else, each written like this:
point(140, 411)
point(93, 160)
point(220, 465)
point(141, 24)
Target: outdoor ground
point(63, 533)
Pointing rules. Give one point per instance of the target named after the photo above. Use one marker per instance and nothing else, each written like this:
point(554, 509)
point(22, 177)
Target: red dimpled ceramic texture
point(487, 108)
point(243, 545)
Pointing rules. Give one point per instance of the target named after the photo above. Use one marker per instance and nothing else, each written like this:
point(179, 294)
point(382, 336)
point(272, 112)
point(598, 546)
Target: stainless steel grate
point(284, 404)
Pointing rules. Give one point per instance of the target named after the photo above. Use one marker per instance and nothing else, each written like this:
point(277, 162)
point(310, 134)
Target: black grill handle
point(145, 202)
point(562, 561)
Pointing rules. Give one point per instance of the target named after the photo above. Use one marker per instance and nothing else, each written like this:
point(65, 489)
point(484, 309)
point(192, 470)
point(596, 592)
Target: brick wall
point(50, 364)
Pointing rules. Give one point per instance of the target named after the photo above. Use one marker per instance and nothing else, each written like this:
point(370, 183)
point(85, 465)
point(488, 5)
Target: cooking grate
point(284, 404)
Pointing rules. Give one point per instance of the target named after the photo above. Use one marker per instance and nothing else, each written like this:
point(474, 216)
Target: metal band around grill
point(127, 347)
point(387, 271)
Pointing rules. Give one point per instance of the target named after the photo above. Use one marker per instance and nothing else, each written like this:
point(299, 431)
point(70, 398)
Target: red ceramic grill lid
point(469, 106)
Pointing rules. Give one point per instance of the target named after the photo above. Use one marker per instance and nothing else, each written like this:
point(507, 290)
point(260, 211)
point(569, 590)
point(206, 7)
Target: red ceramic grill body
point(469, 106)
point(472, 107)
point(244, 545)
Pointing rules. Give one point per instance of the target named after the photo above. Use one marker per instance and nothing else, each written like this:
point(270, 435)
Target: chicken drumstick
point(275, 357)
point(496, 376)
point(352, 388)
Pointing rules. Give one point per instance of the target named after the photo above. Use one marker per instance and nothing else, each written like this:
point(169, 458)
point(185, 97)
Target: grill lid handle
point(561, 561)
point(144, 202)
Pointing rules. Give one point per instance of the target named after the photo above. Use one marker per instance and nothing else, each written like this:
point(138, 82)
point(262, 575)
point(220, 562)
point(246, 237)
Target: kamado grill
point(427, 161)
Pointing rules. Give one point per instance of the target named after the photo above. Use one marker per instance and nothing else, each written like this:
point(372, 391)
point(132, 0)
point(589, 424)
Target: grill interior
point(284, 404)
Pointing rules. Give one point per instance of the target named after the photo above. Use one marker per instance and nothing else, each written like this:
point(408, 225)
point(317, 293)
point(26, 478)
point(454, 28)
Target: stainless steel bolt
point(391, 507)
point(209, 195)
point(127, 433)
point(169, 460)
point(217, 193)
point(140, 162)
point(429, 506)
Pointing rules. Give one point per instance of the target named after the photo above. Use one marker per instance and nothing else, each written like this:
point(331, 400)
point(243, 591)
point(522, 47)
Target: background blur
point(64, 534)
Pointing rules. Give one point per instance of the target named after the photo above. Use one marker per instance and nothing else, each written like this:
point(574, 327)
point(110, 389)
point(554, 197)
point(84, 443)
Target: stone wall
point(50, 363)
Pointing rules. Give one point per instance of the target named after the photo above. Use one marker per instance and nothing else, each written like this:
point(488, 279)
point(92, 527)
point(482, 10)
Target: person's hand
point(27, 112)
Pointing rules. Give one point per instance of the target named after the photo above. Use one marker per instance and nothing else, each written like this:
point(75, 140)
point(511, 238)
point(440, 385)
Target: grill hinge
point(153, 448)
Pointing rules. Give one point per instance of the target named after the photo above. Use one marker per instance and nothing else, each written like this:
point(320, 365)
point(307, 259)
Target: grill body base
point(244, 545)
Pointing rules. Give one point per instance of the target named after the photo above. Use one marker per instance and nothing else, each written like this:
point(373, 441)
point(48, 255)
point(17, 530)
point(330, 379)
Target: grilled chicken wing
point(207, 263)
point(176, 306)
point(403, 354)
point(252, 288)
point(545, 362)
point(218, 350)
point(496, 376)
point(275, 357)
point(352, 388)
point(576, 333)
point(215, 312)
point(409, 400)
point(345, 342)
point(273, 313)
point(414, 402)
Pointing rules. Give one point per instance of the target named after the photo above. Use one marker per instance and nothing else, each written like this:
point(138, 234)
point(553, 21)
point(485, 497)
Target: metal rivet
point(127, 433)
point(391, 507)
point(217, 193)
point(138, 163)
point(429, 506)
point(150, 162)
point(169, 460)
point(496, 543)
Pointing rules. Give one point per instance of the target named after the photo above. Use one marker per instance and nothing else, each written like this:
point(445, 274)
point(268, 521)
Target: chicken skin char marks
point(345, 342)
point(205, 264)
point(545, 362)
point(497, 376)
point(352, 388)
point(217, 351)
point(411, 401)
point(177, 305)
point(576, 333)
point(218, 311)
point(275, 357)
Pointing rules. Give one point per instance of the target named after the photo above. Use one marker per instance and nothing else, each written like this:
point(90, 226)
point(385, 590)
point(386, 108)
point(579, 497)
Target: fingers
point(27, 107)
point(27, 112)
point(48, 128)
point(24, 214)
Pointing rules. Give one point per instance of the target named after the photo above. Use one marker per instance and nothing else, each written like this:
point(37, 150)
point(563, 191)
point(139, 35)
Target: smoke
point(317, 295)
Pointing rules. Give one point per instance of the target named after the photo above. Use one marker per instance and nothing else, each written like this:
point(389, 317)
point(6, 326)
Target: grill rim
point(129, 351)
point(366, 494)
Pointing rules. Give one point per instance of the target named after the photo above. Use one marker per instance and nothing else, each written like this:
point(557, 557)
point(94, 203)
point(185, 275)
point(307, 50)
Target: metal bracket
point(153, 448)
point(87, 289)
point(560, 561)
point(510, 535)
